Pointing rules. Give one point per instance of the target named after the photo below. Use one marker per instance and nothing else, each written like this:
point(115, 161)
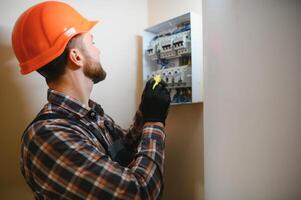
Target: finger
point(149, 83)
point(165, 92)
point(160, 87)
point(163, 83)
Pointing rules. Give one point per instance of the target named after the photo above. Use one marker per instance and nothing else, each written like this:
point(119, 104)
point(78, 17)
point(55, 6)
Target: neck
point(75, 85)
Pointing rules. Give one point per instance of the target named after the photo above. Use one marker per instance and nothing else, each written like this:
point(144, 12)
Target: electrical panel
point(174, 50)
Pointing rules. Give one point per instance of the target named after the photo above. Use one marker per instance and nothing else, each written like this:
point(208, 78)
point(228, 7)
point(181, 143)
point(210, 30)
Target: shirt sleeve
point(65, 164)
point(131, 136)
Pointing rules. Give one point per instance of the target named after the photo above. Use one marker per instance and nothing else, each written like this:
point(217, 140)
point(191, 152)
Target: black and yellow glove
point(155, 101)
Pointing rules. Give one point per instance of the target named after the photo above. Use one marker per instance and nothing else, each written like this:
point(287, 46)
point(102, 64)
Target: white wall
point(252, 113)
point(117, 36)
point(184, 145)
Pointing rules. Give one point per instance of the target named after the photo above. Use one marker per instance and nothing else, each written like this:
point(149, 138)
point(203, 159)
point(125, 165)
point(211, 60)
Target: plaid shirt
point(60, 160)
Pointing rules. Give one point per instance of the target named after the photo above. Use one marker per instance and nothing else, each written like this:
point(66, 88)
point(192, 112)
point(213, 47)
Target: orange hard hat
point(42, 32)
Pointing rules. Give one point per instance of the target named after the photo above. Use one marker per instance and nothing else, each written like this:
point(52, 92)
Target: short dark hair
point(56, 68)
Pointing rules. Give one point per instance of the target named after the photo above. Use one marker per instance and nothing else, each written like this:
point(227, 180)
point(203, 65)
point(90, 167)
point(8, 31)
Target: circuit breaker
point(174, 50)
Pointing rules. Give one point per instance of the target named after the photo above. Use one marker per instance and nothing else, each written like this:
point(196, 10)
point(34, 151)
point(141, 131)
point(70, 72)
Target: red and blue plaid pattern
point(60, 160)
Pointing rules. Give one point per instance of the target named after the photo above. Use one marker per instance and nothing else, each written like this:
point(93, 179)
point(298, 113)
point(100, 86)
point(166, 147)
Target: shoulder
point(108, 118)
point(48, 125)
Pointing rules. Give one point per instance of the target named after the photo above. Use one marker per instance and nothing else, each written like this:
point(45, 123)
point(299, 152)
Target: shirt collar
point(73, 105)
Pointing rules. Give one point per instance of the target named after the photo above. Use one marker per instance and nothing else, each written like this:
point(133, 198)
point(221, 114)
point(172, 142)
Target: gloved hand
point(155, 102)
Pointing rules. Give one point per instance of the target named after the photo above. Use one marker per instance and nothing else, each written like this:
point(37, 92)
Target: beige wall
point(117, 36)
point(252, 110)
point(252, 96)
point(184, 146)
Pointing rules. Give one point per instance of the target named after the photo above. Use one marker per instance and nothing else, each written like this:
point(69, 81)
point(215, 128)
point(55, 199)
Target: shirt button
point(92, 115)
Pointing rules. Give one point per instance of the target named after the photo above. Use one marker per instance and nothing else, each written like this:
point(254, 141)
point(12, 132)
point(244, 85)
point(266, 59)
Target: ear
point(76, 57)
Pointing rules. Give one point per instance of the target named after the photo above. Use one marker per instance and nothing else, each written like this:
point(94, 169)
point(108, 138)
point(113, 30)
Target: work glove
point(155, 102)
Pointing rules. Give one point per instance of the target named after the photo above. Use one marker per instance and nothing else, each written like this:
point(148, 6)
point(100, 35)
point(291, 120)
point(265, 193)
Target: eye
point(92, 40)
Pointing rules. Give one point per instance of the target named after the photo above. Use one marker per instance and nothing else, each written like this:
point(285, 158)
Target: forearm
point(133, 136)
point(148, 164)
point(143, 178)
point(153, 143)
point(130, 140)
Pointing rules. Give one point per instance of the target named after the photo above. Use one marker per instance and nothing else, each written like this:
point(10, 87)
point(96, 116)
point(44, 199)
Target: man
point(72, 150)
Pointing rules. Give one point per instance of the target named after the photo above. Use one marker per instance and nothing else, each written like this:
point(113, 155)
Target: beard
point(94, 71)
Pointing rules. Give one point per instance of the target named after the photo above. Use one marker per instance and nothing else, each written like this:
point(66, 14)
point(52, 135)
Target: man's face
point(92, 67)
